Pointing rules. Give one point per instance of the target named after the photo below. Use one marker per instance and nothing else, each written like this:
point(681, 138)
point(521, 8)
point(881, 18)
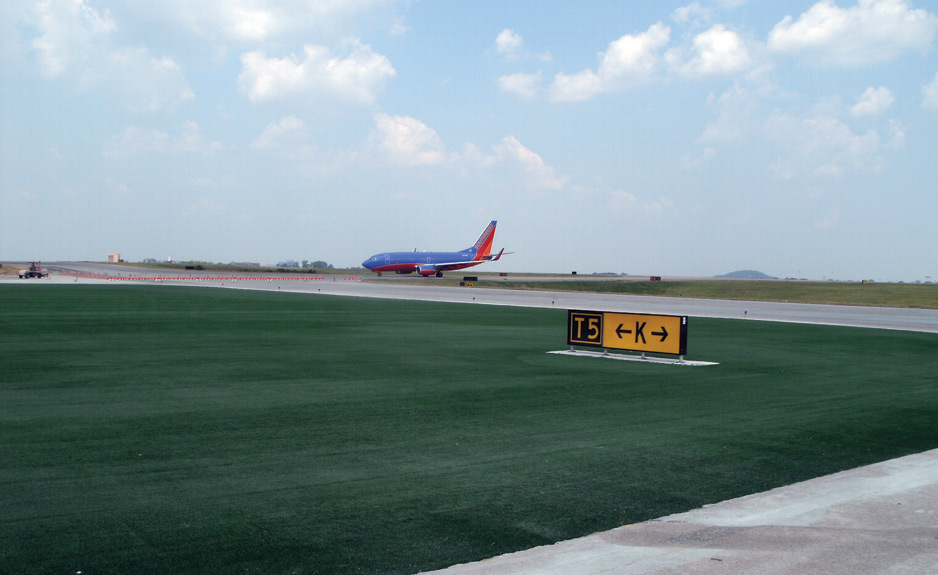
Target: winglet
point(496, 257)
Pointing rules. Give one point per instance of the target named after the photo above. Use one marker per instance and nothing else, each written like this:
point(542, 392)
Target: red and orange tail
point(483, 245)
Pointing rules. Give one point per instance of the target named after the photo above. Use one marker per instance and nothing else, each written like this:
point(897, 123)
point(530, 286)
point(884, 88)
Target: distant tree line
point(318, 264)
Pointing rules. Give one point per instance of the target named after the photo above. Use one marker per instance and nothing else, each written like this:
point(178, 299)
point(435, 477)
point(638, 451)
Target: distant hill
point(747, 275)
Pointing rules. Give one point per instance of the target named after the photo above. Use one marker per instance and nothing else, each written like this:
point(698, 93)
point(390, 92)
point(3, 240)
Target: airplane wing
point(489, 258)
point(454, 265)
point(439, 267)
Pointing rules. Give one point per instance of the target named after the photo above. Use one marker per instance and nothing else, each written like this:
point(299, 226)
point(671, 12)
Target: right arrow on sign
point(663, 333)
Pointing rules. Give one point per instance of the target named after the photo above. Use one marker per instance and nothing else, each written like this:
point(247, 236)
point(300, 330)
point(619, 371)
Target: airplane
point(435, 263)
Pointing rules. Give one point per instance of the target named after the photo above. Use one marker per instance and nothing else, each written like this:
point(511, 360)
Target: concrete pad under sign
point(629, 357)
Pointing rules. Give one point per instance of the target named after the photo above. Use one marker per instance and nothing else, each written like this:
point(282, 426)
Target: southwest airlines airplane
point(435, 263)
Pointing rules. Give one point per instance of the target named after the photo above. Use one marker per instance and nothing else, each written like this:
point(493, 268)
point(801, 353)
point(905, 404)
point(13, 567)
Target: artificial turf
point(156, 429)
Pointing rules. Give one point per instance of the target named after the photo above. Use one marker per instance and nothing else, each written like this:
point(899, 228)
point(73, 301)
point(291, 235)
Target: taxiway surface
point(882, 518)
point(370, 286)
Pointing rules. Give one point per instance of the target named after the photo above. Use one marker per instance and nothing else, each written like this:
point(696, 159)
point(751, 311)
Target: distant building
point(114, 258)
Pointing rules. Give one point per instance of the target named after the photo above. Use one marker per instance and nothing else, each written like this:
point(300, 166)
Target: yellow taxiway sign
point(630, 331)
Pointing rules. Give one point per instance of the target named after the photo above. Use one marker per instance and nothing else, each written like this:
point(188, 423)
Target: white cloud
point(75, 42)
point(873, 31)
point(71, 34)
point(576, 87)
point(737, 115)
point(398, 28)
point(136, 141)
point(257, 21)
point(731, 4)
point(634, 54)
point(716, 51)
point(359, 77)
point(250, 24)
point(146, 83)
point(629, 61)
point(660, 206)
point(897, 135)
point(622, 201)
point(629, 203)
point(693, 14)
point(508, 42)
point(821, 145)
point(275, 134)
point(930, 94)
point(701, 160)
point(538, 173)
point(873, 102)
point(522, 85)
point(406, 141)
point(14, 15)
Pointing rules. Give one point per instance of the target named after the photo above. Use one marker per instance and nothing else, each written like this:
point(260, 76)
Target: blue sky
point(669, 138)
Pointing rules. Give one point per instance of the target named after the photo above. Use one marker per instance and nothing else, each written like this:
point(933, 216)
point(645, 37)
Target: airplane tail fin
point(483, 246)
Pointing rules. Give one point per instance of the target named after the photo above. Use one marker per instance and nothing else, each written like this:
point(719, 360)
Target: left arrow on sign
point(620, 331)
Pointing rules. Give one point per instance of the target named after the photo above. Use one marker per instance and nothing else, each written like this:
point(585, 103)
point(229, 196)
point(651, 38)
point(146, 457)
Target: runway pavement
point(370, 286)
point(877, 519)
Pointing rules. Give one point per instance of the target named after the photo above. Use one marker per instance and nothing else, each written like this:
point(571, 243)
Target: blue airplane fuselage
point(435, 263)
point(409, 262)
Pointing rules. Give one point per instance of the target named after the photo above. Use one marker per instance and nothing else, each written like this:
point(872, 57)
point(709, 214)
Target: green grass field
point(922, 296)
point(157, 429)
